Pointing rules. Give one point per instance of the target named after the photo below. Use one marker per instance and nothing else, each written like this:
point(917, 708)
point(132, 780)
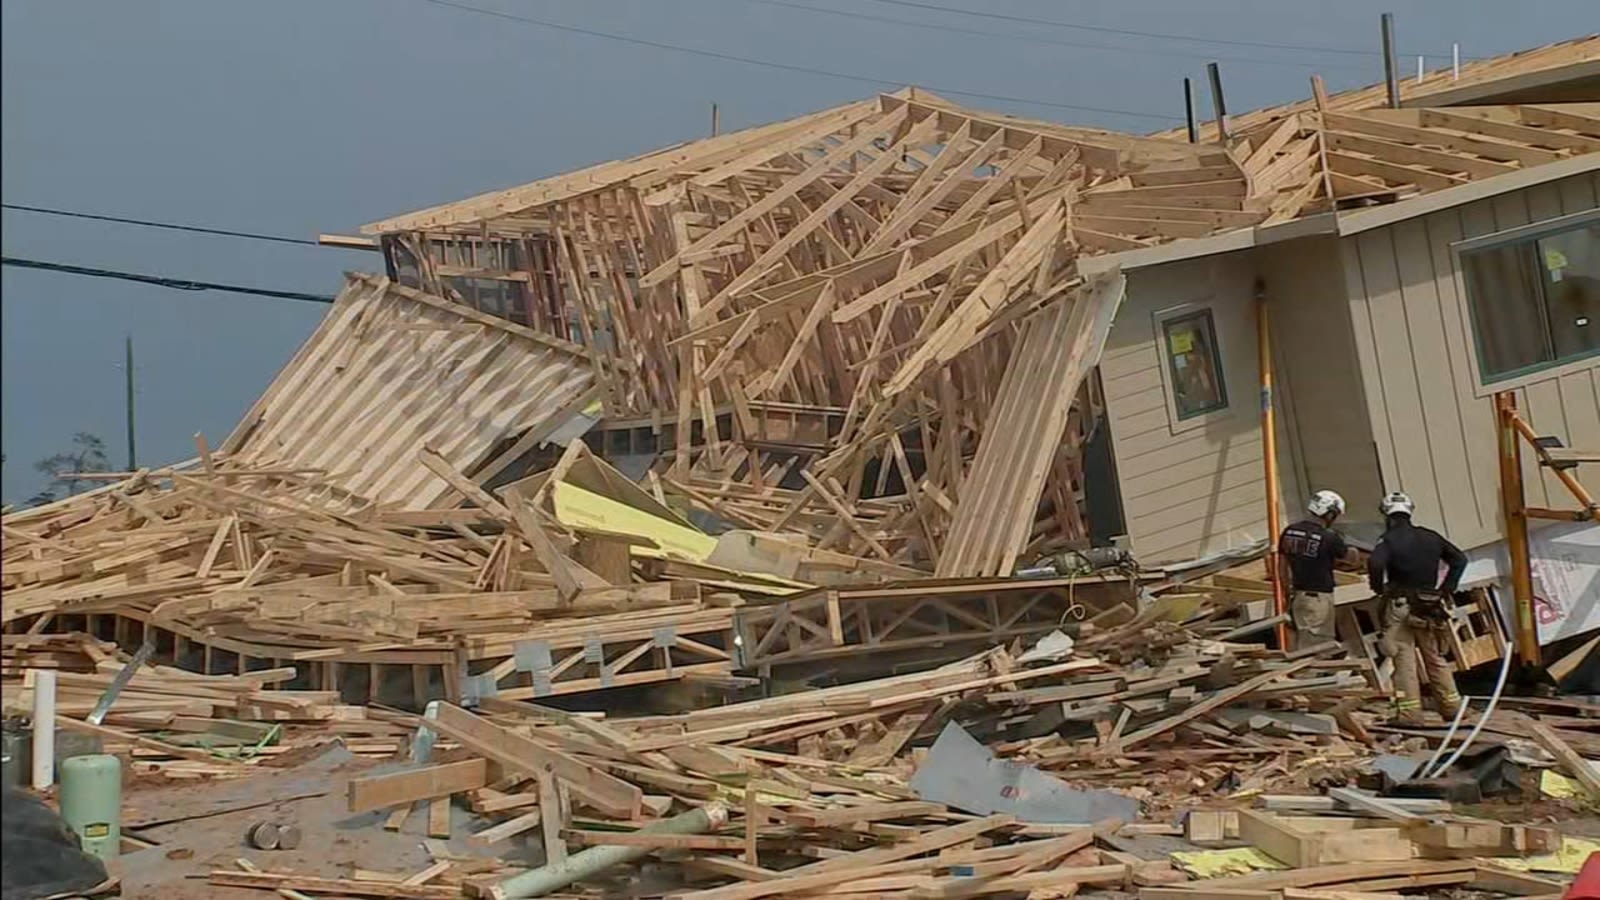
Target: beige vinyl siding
point(1318, 380)
point(1435, 434)
point(1186, 488)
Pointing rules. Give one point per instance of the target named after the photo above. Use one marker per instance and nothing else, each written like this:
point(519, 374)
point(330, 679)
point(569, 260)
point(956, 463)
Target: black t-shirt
point(1408, 557)
point(1311, 550)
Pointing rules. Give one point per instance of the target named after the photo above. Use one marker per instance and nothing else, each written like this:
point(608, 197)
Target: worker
point(1403, 571)
point(1307, 553)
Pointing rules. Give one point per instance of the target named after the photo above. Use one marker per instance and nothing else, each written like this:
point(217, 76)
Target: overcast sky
point(299, 116)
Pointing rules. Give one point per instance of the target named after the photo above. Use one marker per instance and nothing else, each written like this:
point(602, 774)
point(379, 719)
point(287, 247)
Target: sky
point(296, 117)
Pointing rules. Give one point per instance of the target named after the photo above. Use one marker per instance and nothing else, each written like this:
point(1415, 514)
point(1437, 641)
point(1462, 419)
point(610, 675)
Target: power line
point(180, 284)
point(255, 236)
point(1040, 39)
point(786, 67)
point(918, 4)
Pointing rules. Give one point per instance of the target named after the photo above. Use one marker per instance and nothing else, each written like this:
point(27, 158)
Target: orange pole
point(1516, 518)
point(1269, 444)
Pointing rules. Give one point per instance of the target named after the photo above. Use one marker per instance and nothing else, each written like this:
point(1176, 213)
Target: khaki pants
point(1313, 616)
point(1404, 636)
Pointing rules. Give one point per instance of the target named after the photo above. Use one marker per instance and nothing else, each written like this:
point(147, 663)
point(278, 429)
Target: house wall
point(1432, 423)
point(1189, 488)
point(1318, 376)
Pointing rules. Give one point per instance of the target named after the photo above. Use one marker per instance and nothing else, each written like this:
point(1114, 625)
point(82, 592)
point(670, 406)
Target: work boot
point(1449, 706)
point(1411, 718)
point(1407, 714)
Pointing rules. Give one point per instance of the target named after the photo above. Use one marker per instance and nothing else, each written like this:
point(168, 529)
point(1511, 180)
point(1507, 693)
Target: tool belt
point(1427, 604)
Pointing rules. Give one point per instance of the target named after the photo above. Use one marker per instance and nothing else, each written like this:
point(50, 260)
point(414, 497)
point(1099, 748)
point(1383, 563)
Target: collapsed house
point(856, 393)
point(901, 338)
point(1403, 253)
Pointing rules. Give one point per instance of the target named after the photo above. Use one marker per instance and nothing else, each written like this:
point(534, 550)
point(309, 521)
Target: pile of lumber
point(239, 560)
point(182, 724)
point(818, 781)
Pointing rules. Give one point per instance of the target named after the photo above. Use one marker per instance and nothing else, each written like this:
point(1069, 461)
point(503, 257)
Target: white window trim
point(1169, 395)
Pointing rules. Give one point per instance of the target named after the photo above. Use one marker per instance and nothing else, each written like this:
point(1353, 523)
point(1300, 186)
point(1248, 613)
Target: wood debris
point(663, 514)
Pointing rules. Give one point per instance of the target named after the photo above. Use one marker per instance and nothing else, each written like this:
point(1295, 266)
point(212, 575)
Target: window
point(1534, 297)
point(1193, 364)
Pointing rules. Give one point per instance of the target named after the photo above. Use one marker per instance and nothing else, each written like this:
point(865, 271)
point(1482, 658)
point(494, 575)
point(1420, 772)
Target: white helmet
point(1325, 502)
point(1397, 503)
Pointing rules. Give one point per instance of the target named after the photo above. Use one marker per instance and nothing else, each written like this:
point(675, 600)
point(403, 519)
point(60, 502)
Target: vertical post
point(1269, 447)
point(1455, 62)
point(1516, 519)
point(1188, 111)
point(1391, 76)
point(1419, 68)
point(1218, 103)
point(127, 377)
point(715, 123)
point(44, 728)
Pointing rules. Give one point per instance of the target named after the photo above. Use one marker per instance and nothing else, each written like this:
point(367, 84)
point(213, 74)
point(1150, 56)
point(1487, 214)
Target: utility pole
point(127, 373)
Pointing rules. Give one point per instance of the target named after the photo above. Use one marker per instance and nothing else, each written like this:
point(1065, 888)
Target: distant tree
point(88, 454)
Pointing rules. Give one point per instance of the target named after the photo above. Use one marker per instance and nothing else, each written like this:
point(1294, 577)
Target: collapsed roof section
point(392, 371)
point(877, 267)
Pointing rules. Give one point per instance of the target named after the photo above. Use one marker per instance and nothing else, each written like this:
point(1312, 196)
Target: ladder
point(1560, 461)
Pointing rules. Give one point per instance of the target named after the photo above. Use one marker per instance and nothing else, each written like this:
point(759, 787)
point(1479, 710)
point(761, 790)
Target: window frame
point(1483, 383)
point(1177, 421)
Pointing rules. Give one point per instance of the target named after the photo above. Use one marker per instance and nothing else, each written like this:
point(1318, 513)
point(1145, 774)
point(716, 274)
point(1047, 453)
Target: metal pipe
point(1255, 627)
point(715, 121)
point(542, 881)
point(1269, 449)
point(44, 728)
point(1516, 525)
point(1219, 103)
point(1455, 62)
point(120, 682)
point(1188, 111)
point(1419, 69)
point(1391, 76)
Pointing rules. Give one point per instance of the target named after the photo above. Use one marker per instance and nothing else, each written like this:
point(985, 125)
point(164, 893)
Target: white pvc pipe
point(1455, 62)
point(1419, 68)
point(422, 742)
point(44, 728)
point(1499, 688)
point(1461, 715)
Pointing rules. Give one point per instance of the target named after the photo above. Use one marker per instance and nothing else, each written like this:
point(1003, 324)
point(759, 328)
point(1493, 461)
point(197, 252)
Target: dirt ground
point(333, 842)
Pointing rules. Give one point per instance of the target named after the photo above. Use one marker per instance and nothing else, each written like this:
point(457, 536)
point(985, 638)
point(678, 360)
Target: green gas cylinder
point(91, 802)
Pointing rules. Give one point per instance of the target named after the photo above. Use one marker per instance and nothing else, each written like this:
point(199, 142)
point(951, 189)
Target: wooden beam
point(527, 756)
point(1510, 131)
point(1581, 769)
point(1215, 701)
point(1457, 141)
point(1394, 173)
point(1390, 151)
point(381, 791)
